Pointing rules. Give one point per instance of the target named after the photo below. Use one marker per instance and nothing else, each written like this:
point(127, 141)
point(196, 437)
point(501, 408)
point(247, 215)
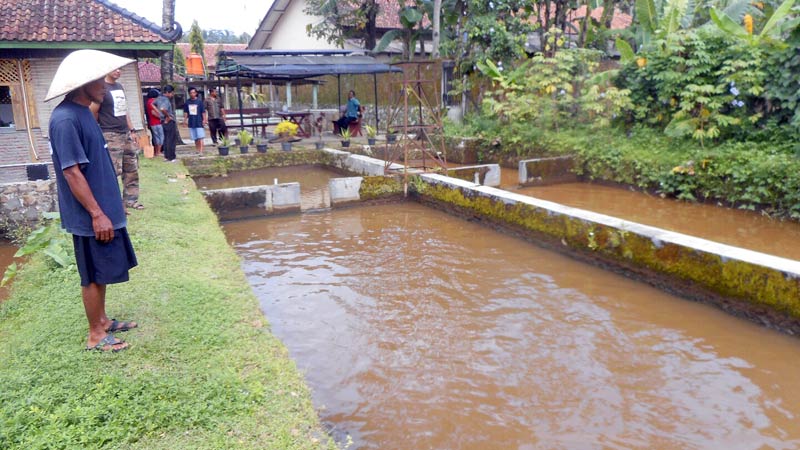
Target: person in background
point(154, 121)
point(216, 116)
point(164, 104)
point(351, 113)
point(88, 192)
point(112, 115)
point(196, 118)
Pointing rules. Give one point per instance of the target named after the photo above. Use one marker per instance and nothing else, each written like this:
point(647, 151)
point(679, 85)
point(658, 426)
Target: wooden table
point(300, 118)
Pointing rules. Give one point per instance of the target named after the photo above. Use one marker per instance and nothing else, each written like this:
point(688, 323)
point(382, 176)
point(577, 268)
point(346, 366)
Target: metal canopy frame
point(293, 65)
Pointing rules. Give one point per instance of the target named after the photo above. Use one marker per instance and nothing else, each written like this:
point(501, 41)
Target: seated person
point(352, 113)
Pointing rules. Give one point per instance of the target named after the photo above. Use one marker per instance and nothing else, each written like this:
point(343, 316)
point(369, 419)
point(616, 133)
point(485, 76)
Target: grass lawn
point(203, 370)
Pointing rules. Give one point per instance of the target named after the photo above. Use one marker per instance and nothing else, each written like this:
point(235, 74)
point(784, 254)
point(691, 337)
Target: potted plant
point(224, 145)
point(245, 138)
point(371, 133)
point(285, 131)
point(261, 144)
point(345, 134)
point(391, 136)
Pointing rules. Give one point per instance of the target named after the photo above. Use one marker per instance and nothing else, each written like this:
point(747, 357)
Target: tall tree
point(437, 23)
point(167, 21)
point(198, 44)
point(343, 20)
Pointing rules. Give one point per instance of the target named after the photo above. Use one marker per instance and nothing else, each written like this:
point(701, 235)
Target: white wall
point(290, 31)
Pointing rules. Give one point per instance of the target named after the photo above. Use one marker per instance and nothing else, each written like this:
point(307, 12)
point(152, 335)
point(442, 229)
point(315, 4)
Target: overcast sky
point(239, 16)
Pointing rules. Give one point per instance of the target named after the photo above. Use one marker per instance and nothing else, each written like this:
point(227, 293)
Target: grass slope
point(203, 370)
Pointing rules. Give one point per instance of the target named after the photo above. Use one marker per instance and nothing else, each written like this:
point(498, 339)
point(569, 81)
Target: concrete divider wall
point(488, 174)
point(541, 171)
point(344, 190)
point(251, 201)
point(221, 165)
point(360, 164)
point(760, 287)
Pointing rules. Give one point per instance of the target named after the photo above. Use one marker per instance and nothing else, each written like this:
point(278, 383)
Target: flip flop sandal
point(118, 326)
point(107, 345)
point(136, 205)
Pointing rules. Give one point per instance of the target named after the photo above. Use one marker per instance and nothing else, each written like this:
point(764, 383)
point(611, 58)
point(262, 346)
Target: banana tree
point(772, 30)
point(411, 20)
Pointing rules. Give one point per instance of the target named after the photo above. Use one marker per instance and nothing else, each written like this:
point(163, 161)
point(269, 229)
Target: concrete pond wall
point(760, 287)
point(543, 171)
point(254, 201)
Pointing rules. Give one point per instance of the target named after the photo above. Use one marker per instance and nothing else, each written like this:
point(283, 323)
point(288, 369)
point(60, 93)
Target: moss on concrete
point(221, 165)
point(378, 187)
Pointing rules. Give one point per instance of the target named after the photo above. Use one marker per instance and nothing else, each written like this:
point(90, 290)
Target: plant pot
point(319, 145)
point(371, 141)
point(345, 144)
point(243, 148)
point(262, 148)
point(286, 146)
point(391, 138)
point(223, 151)
point(236, 141)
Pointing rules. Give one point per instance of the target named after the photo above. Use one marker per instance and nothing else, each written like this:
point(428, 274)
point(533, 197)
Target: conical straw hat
point(81, 67)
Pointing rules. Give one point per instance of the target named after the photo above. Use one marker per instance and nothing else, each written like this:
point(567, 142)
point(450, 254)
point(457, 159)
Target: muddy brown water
point(419, 330)
point(313, 182)
point(7, 251)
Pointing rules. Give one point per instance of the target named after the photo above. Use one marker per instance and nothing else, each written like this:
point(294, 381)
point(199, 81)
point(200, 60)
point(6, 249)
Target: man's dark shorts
point(104, 263)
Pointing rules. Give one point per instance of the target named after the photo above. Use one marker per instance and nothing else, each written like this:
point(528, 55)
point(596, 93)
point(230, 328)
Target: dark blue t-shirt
point(76, 138)
point(194, 109)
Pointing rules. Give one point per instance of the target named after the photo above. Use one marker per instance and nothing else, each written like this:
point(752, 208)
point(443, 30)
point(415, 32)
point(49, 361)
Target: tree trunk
point(585, 25)
point(437, 19)
point(167, 22)
point(371, 28)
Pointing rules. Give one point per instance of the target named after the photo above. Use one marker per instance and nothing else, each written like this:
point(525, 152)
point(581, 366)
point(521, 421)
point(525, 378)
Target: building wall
point(290, 31)
point(15, 146)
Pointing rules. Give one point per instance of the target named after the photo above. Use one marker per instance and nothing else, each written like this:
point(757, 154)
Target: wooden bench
point(253, 118)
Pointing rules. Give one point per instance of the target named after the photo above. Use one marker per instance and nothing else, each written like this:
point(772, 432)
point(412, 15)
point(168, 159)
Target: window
point(15, 85)
point(6, 108)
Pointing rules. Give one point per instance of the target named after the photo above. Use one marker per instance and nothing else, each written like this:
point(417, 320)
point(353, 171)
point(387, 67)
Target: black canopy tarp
point(292, 65)
point(296, 65)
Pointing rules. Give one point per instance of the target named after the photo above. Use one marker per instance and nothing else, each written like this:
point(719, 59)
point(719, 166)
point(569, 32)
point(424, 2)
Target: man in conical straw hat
point(89, 199)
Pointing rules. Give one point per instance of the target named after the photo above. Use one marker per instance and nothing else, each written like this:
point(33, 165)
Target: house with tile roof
point(35, 35)
point(284, 28)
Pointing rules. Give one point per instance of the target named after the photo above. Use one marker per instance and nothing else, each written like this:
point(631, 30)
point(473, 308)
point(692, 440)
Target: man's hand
point(103, 228)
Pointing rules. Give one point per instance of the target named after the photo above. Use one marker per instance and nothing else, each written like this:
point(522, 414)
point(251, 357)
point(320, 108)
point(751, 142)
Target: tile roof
point(619, 21)
point(151, 73)
point(74, 21)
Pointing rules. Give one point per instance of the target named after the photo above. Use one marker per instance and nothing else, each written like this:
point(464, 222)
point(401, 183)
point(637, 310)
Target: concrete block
point(542, 171)
point(344, 189)
point(483, 174)
point(283, 197)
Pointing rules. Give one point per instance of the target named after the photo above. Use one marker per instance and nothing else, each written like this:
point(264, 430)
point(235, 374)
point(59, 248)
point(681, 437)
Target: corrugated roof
point(76, 21)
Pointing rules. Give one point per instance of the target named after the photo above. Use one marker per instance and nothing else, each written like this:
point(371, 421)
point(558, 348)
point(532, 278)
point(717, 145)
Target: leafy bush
point(49, 239)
